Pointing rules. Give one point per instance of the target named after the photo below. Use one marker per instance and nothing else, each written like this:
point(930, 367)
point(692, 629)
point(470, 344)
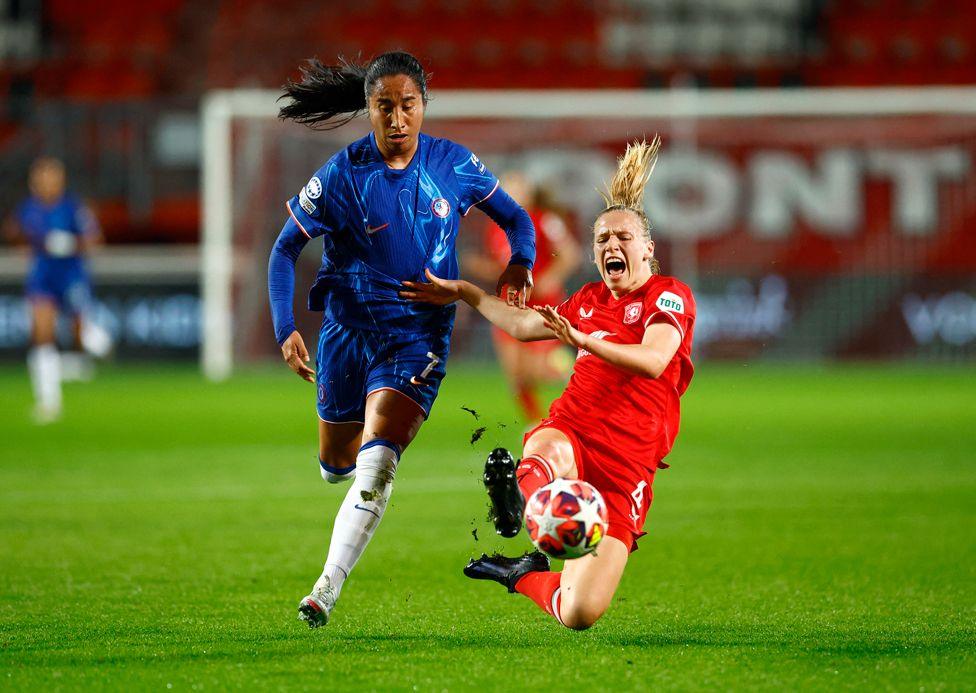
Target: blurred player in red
point(558, 255)
point(618, 417)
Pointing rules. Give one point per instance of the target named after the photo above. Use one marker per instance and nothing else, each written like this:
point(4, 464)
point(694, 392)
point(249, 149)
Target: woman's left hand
point(516, 282)
point(564, 332)
point(439, 291)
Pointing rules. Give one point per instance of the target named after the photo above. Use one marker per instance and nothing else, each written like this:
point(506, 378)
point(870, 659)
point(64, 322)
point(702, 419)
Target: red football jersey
point(551, 232)
point(633, 415)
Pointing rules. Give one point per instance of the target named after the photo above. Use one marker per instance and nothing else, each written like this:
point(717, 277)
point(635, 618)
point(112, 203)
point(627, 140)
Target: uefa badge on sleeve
point(314, 188)
point(632, 312)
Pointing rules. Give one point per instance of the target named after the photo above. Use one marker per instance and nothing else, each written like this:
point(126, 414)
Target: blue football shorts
point(65, 283)
point(352, 363)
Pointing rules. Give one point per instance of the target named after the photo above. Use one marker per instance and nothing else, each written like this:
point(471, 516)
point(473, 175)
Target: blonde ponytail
point(634, 168)
point(626, 188)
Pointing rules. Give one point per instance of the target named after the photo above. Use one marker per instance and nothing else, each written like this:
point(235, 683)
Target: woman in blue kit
point(60, 231)
point(387, 207)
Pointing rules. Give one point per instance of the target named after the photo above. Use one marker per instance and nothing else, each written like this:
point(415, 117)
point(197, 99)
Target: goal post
point(802, 125)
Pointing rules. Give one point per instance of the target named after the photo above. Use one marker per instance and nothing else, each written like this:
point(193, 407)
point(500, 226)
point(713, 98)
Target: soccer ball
point(566, 519)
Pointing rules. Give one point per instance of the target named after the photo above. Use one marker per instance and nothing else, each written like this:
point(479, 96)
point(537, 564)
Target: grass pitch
point(816, 531)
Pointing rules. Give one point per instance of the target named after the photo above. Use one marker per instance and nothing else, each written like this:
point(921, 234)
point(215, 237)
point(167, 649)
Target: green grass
point(816, 531)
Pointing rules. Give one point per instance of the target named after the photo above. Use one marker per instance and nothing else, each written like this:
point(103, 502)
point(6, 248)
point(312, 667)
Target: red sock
point(543, 589)
point(529, 402)
point(533, 473)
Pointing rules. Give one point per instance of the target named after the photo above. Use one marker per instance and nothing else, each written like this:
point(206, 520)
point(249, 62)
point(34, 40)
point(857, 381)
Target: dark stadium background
point(114, 88)
point(815, 529)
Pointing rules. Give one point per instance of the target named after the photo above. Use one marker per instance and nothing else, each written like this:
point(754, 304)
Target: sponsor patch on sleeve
point(671, 302)
point(306, 203)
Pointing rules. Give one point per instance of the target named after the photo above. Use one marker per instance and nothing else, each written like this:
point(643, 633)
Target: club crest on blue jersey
point(441, 207)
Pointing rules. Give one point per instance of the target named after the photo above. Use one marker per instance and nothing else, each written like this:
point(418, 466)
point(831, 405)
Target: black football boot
point(504, 570)
point(507, 503)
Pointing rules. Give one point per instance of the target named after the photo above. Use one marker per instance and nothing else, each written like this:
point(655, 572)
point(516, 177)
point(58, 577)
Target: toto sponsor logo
point(670, 302)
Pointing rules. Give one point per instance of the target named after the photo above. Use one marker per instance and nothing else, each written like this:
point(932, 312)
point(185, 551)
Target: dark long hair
point(329, 96)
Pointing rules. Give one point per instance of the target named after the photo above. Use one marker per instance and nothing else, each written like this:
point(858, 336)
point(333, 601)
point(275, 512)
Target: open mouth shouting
point(614, 267)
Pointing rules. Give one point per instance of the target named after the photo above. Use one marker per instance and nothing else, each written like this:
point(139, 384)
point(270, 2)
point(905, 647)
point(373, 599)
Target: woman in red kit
point(618, 416)
point(558, 255)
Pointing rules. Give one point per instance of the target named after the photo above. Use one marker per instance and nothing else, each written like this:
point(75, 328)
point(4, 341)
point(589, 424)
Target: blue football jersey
point(54, 230)
point(381, 226)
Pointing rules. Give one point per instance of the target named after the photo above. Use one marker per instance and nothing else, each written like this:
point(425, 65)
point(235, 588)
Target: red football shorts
point(624, 485)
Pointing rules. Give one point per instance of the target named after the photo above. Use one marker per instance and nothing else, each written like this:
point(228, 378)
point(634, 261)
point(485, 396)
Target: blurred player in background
point(618, 416)
point(387, 207)
point(60, 232)
point(558, 256)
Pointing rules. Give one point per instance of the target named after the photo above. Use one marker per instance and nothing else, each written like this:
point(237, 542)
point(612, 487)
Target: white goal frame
point(219, 108)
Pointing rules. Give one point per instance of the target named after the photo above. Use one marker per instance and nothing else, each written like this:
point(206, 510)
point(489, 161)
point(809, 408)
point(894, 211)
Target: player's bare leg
point(391, 422)
point(339, 444)
point(577, 597)
point(393, 416)
point(44, 361)
point(587, 584)
point(554, 447)
point(580, 594)
point(548, 455)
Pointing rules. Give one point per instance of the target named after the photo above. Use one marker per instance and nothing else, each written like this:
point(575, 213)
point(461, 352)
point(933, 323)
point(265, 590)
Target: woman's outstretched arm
point(524, 325)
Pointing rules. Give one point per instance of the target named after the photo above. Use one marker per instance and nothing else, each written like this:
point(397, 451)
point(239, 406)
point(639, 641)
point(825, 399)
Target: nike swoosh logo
point(373, 512)
point(373, 229)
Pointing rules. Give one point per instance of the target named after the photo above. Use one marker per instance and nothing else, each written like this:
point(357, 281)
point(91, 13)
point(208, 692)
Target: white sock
point(44, 364)
point(361, 510)
point(335, 475)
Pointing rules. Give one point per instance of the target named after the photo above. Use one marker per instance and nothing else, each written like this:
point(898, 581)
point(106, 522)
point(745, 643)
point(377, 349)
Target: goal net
point(811, 224)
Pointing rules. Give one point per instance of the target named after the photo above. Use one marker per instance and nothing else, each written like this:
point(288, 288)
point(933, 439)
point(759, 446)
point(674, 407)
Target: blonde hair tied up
point(626, 188)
